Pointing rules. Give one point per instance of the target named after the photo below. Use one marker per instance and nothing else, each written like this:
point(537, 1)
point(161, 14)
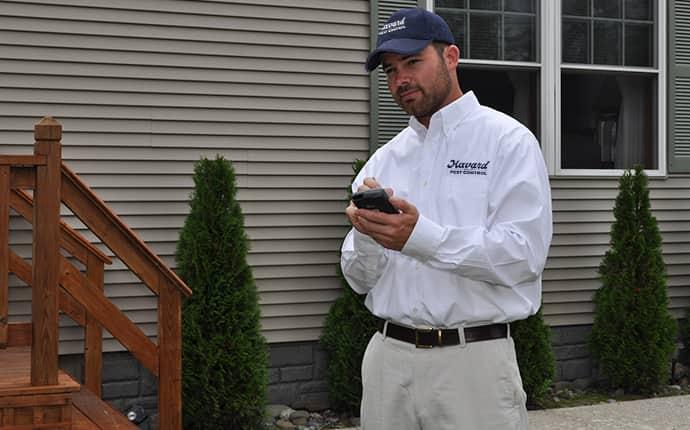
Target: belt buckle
point(425, 330)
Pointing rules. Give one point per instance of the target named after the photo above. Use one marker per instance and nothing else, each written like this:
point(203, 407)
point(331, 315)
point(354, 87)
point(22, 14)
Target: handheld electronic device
point(376, 198)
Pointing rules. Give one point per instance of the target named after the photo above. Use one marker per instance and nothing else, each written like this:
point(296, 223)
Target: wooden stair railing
point(61, 285)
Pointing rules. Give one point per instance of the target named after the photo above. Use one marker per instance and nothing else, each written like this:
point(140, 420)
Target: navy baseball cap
point(407, 32)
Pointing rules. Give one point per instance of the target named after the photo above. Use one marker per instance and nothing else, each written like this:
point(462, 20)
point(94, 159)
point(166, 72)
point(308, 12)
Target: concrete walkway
point(666, 413)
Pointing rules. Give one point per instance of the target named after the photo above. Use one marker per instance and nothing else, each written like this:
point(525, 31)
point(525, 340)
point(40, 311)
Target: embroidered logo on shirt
point(457, 167)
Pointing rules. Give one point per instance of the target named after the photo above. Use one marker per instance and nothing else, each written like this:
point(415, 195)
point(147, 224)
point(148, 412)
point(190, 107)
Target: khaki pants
point(475, 386)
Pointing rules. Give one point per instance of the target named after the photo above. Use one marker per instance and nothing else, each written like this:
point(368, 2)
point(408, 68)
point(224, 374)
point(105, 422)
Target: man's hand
point(389, 230)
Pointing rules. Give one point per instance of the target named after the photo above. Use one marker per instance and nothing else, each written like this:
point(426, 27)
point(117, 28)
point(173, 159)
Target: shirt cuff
point(425, 239)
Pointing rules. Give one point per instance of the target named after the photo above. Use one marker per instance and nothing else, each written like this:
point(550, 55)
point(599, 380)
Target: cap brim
point(396, 46)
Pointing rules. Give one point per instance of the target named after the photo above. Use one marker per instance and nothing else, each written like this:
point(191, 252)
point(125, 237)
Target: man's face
point(419, 83)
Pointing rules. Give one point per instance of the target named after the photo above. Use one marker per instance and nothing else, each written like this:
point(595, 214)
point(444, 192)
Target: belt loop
point(461, 334)
point(385, 329)
point(508, 330)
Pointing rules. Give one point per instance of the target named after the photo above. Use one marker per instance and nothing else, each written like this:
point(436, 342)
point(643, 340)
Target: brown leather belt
point(433, 337)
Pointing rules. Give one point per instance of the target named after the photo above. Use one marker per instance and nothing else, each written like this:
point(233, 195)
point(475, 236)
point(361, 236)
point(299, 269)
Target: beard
point(432, 96)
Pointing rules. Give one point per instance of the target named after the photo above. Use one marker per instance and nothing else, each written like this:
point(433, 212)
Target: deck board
point(88, 411)
point(15, 374)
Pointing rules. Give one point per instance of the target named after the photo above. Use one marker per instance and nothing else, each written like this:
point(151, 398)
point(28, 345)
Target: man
point(461, 259)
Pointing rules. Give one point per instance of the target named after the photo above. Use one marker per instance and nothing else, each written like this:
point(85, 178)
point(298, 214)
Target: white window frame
point(553, 47)
point(550, 68)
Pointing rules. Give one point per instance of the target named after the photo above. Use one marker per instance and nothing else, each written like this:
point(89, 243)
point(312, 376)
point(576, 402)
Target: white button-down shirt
point(477, 252)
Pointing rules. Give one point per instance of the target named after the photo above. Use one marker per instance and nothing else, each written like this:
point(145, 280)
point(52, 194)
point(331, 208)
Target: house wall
point(583, 213)
point(145, 88)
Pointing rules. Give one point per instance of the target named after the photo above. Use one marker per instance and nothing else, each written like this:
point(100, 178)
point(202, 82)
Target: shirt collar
point(448, 116)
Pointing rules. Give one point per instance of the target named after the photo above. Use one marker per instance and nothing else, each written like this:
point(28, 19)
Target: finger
point(403, 205)
point(373, 216)
point(350, 210)
point(371, 183)
point(389, 191)
point(363, 188)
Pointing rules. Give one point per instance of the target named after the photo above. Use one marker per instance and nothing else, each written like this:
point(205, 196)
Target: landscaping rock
point(274, 411)
point(285, 414)
point(285, 424)
point(299, 418)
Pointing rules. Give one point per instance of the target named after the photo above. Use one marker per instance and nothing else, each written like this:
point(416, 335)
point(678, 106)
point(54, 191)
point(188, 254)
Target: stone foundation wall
point(297, 376)
point(573, 359)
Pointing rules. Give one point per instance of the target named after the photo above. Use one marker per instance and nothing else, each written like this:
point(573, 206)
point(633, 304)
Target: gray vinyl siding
point(145, 88)
point(583, 213)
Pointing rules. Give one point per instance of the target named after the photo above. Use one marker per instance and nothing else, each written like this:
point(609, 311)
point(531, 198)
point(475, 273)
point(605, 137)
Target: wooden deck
point(88, 412)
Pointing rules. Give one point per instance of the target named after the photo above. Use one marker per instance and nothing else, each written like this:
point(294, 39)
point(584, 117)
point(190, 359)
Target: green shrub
point(685, 338)
point(347, 330)
point(224, 360)
point(535, 357)
point(634, 334)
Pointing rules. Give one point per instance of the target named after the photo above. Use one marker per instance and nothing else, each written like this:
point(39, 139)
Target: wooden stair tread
point(100, 414)
point(15, 375)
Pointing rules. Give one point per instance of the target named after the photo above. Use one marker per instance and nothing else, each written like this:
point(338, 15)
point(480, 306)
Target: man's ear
point(452, 56)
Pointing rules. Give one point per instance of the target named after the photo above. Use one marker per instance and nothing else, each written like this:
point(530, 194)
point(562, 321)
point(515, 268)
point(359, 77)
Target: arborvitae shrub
point(348, 328)
point(535, 357)
point(685, 338)
point(224, 360)
point(634, 334)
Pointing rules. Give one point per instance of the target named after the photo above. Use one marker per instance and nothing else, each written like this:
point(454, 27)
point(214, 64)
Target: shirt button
point(414, 310)
point(425, 182)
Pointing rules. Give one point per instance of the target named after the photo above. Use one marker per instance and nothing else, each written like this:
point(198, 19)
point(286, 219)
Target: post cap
point(48, 128)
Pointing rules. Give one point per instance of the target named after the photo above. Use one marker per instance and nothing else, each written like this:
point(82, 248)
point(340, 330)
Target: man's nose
point(401, 79)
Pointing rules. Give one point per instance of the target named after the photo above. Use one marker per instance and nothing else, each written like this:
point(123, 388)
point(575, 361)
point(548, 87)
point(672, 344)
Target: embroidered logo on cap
point(393, 26)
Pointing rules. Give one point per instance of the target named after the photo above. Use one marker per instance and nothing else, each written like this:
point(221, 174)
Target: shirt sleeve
point(362, 259)
point(512, 246)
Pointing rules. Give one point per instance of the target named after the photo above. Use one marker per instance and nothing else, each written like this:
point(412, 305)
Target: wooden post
point(93, 353)
point(46, 254)
point(4, 252)
point(170, 353)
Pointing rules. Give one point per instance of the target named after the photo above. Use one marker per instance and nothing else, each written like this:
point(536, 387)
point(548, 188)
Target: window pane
point(519, 5)
point(638, 45)
point(607, 42)
point(576, 7)
point(608, 121)
point(638, 9)
point(519, 38)
point(607, 8)
point(485, 4)
point(514, 92)
point(575, 41)
point(450, 3)
point(456, 21)
point(485, 36)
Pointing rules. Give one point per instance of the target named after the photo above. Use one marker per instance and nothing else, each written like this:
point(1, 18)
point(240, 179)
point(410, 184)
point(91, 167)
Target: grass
point(568, 399)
